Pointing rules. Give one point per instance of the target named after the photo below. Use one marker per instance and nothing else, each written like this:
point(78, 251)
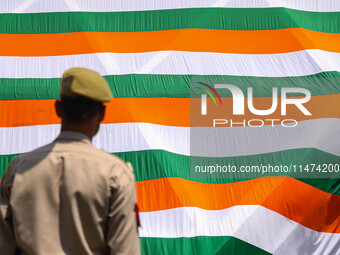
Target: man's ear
point(102, 113)
point(57, 106)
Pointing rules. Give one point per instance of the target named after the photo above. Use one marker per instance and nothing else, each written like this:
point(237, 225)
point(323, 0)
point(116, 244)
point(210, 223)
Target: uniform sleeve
point(122, 235)
point(7, 241)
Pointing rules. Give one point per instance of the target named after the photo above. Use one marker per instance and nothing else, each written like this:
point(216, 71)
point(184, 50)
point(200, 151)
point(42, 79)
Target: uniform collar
point(75, 136)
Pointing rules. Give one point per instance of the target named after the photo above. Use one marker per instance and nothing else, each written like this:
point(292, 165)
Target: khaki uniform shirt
point(68, 197)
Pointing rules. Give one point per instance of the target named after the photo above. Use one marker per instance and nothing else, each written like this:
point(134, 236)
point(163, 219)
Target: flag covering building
point(149, 51)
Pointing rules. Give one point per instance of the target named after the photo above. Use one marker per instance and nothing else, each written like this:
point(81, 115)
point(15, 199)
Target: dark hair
point(79, 109)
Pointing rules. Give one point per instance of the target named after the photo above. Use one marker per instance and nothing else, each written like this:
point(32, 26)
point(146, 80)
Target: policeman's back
point(69, 197)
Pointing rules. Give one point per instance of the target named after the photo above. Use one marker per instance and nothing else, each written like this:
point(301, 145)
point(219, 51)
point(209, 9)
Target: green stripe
point(206, 18)
point(200, 245)
point(154, 164)
point(150, 85)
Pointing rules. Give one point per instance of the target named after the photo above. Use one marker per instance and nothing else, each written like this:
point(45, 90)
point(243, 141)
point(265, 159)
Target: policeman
point(69, 197)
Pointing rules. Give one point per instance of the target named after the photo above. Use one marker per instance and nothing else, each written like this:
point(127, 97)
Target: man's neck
point(86, 129)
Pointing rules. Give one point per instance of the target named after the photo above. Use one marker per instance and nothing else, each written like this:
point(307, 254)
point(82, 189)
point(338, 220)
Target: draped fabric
point(148, 51)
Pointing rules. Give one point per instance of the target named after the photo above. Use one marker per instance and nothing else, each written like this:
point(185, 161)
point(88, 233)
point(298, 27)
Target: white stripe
point(72, 5)
point(155, 61)
point(298, 63)
point(10, 6)
point(24, 6)
point(219, 3)
point(322, 134)
point(253, 224)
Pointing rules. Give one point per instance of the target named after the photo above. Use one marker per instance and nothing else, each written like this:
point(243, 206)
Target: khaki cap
point(79, 81)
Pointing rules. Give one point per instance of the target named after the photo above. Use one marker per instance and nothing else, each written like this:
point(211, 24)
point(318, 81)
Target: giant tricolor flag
point(148, 51)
